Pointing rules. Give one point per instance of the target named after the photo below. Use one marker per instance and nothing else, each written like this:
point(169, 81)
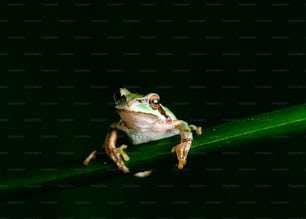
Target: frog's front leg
point(116, 153)
point(112, 151)
point(183, 148)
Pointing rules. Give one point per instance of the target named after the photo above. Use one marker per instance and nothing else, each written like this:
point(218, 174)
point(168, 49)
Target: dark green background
point(210, 61)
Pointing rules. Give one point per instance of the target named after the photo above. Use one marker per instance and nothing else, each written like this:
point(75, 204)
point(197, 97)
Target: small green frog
point(144, 119)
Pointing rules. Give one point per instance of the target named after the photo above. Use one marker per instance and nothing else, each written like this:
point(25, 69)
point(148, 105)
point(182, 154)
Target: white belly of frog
point(143, 137)
point(144, 119)
point(153, 132)
point(139, 121)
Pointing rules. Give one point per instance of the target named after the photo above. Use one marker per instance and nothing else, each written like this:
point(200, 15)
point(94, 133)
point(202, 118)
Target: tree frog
point(143, 118)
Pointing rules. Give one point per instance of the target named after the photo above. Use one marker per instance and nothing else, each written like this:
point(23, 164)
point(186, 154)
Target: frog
point(143, 118)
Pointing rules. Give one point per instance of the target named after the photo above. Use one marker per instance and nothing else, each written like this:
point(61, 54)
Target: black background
point(210, 61)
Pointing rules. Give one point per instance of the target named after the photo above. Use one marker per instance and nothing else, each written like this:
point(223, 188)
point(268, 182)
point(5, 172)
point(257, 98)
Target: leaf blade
point(283, 121)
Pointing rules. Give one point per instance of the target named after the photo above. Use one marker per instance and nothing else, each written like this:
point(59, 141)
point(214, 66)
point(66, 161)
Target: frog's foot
point(182, 150)
point(143, 174)
point(91, 156)
point(115, 154)
point(197, 129)
point(122, 153)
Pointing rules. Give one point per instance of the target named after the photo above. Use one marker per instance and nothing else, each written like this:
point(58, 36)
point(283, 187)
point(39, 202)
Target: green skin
point(144, 119)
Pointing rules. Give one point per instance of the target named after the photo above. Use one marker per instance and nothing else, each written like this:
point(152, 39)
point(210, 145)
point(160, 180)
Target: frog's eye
point(119, 97)
point(154, 101)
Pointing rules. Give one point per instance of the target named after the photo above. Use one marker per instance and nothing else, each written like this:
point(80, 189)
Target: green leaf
point(280, 122)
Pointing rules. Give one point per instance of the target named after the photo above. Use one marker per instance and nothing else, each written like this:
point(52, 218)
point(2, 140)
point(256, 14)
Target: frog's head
point(136, 105)
point(134, 102)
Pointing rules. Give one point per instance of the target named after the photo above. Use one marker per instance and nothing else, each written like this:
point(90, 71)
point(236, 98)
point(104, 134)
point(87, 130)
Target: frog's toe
point(197, 129)
point(121, 166)
point(91, 156)
point(173, 149)
point(182, 163)
point(122, 152)
point(124, 169)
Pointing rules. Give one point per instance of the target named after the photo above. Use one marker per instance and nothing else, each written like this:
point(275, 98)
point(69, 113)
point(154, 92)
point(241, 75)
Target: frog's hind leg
point(116, 154)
